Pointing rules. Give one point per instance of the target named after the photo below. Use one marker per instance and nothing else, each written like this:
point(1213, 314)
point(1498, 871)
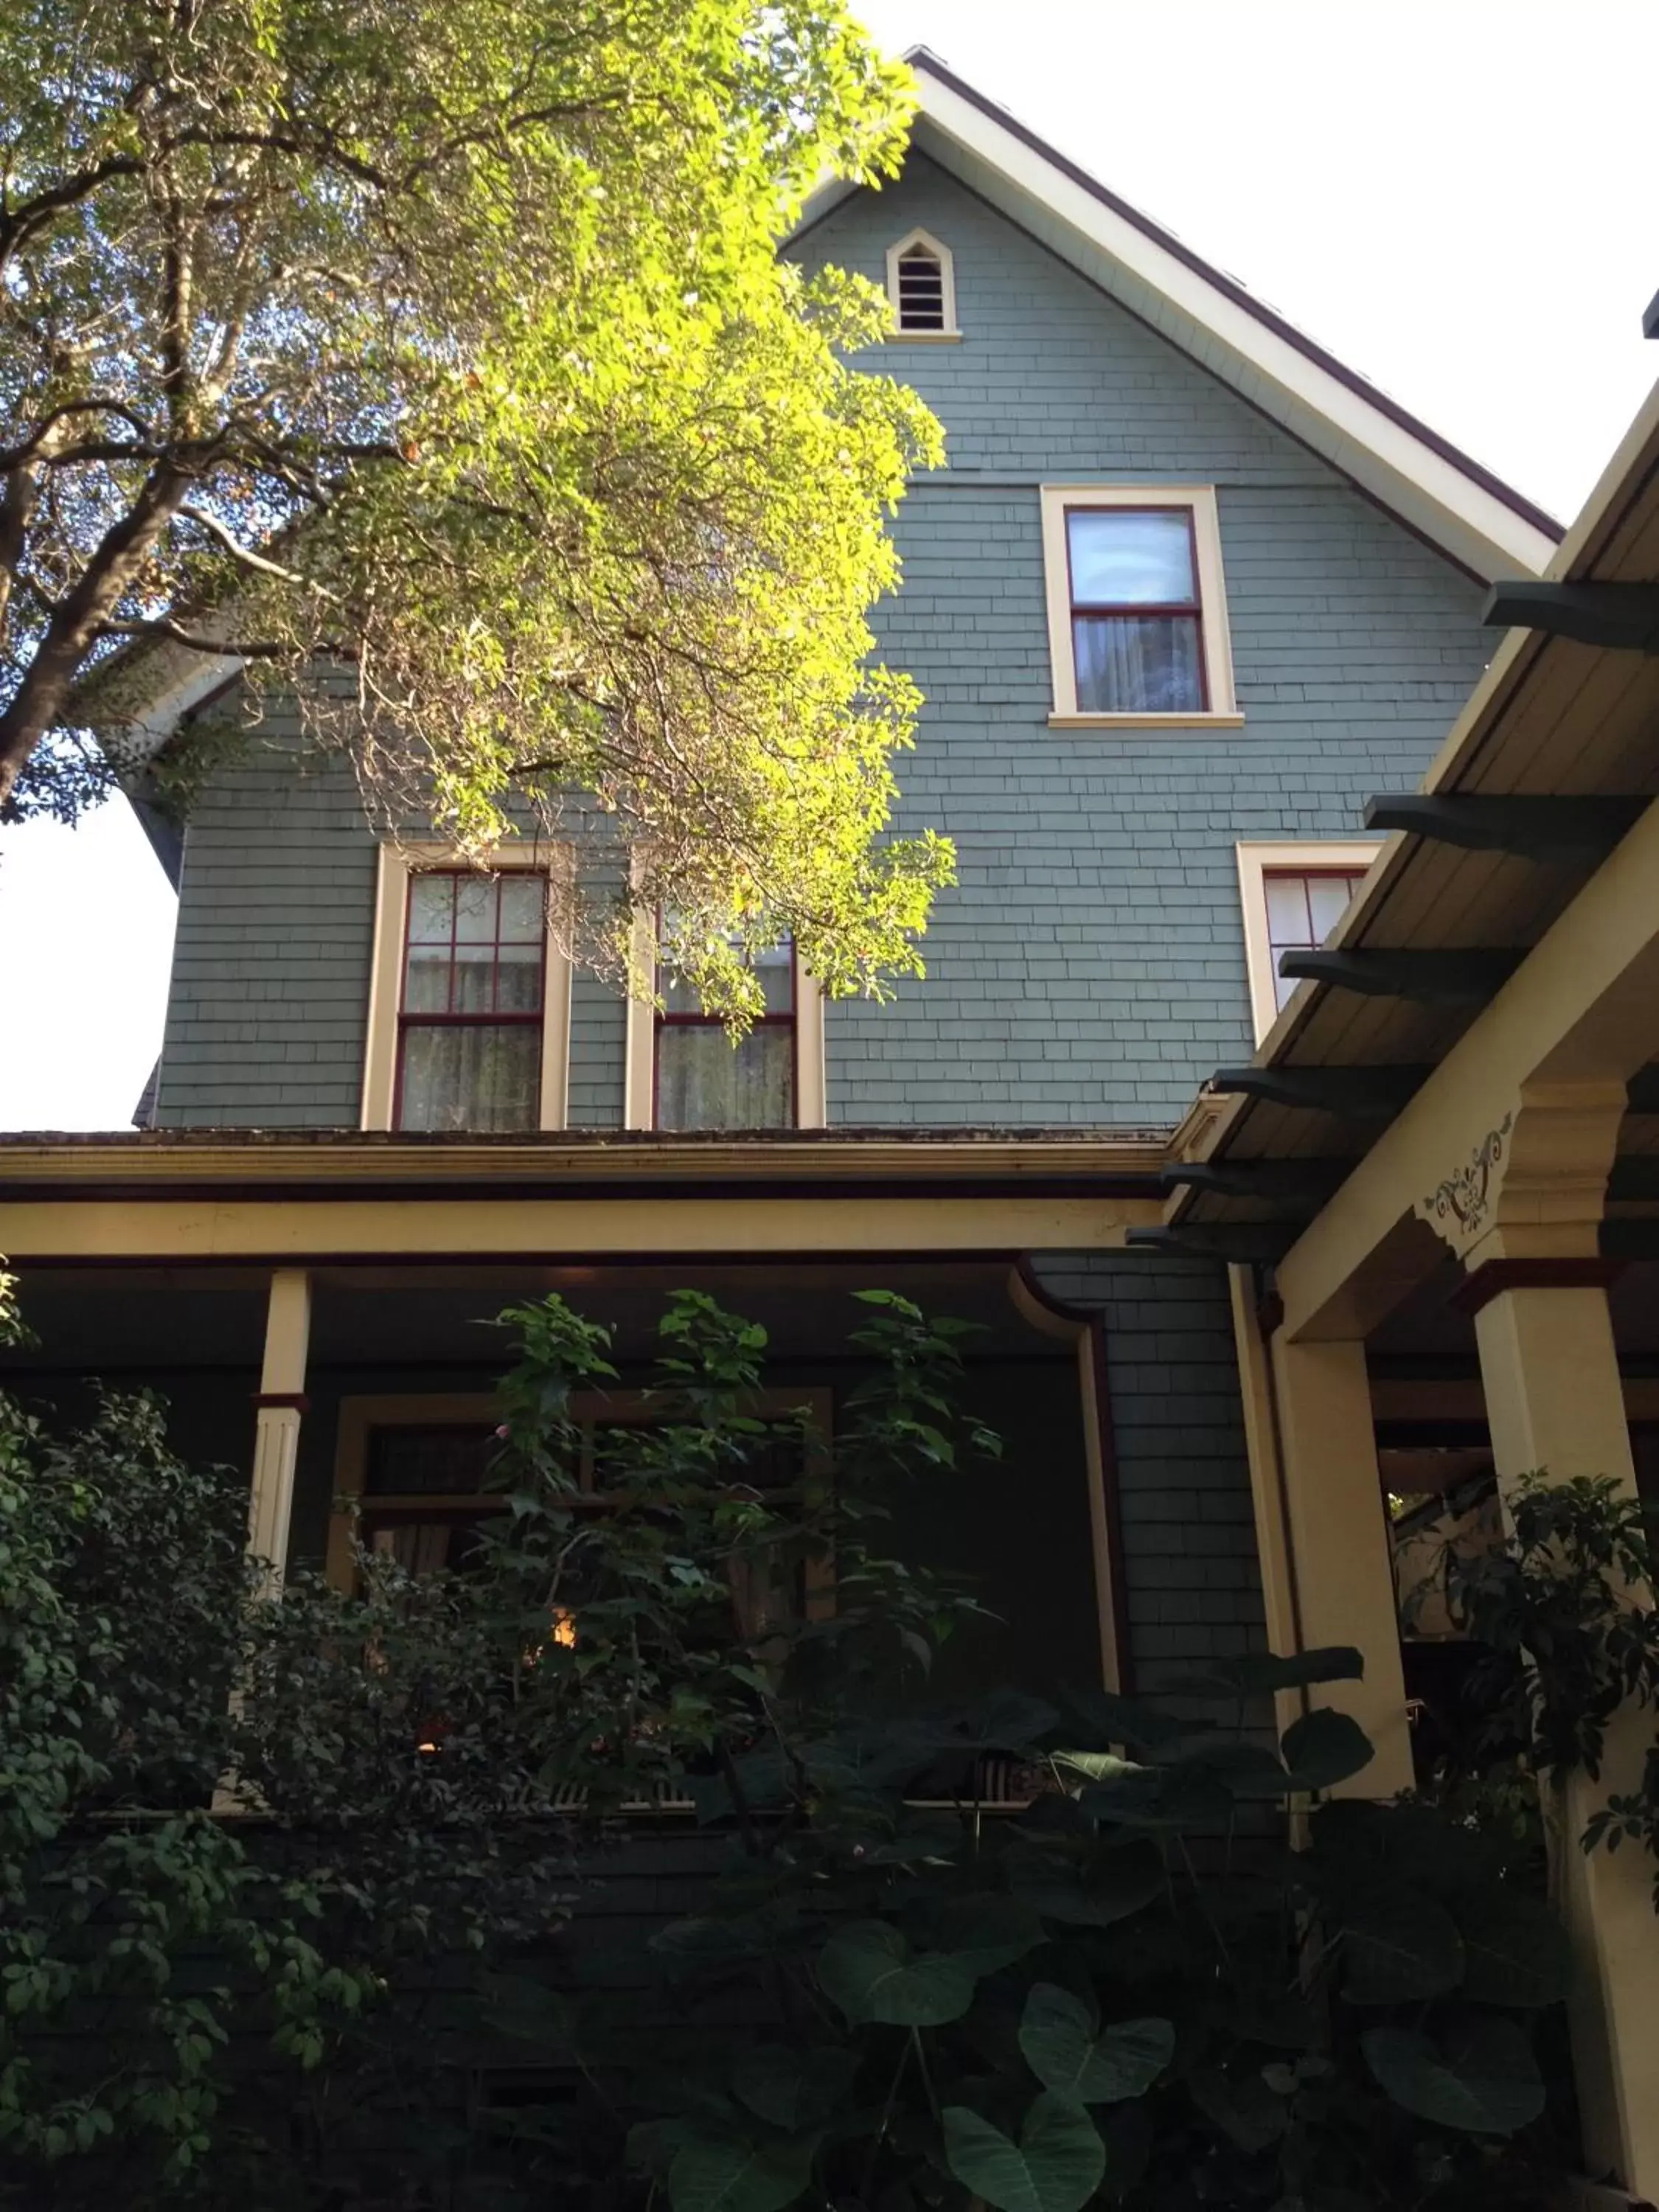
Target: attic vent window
point(921, 286)
point(920, 290)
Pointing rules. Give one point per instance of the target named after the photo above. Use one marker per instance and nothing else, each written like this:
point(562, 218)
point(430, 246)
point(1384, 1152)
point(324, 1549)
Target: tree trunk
point(40, 699)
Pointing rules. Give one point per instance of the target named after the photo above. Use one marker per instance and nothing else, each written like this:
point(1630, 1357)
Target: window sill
point(1146, 721)
point(921, 337)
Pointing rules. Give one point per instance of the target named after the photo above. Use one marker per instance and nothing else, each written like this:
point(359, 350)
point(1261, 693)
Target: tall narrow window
point(1303, 910)
point(921, 288)
point(703, 1081)
point(1137, 617)
point(470, 1014)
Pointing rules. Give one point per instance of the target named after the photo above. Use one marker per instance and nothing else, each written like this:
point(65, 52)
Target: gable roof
point(1449, 499)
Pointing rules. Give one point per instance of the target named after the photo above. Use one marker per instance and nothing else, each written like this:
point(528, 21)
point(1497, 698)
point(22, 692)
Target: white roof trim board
point(1450, 500)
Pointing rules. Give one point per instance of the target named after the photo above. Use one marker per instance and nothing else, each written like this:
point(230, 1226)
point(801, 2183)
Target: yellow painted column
point(1555, 1405)
point(281, 1402)
point(1336, 1532)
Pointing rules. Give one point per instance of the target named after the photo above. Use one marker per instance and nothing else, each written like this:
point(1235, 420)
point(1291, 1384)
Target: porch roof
point(1553, 719)
point(298, 1197)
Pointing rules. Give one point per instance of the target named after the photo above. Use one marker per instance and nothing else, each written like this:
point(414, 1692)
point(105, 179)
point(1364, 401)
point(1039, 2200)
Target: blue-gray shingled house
point(1187, 593)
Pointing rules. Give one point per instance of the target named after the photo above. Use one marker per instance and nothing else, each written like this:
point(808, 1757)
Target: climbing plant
point(1563, 1611)
point(1022, 1950)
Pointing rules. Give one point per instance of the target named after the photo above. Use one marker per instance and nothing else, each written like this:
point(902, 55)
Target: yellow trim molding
point(293, 1231)
point(413, 856)
point(1255, 863)
point(1223, 709)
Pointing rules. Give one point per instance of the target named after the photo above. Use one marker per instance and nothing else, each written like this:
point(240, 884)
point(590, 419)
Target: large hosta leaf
point(1112, 1885)
point(1242, 2104)
point(985, 1931)
point(1515, 1951)
point(794, 2089)
point(1482, 2079)
point(1262, 1674)
point(1399, 1948)
point(1057, 2036)
point(1057, 2164)
point(724, 2174)
point(1325, 1748)
point(869, 1970)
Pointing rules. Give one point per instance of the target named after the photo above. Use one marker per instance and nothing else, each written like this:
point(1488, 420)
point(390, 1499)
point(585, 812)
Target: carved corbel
point(1533, 1183)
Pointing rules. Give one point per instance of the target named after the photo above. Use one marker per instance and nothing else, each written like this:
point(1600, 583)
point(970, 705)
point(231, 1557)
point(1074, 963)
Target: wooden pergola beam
point(1459, 976)
point(1301, 1184)
point(1352, 1094)
point(1617, 617)
point(1532, 827)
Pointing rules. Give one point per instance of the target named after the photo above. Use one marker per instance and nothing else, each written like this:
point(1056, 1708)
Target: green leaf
point(515, 2005)
point(1242, 2105)
point(1112, 1719)
point(1186, 1792)
point(1515, 1951)
point(794, 2089)
point(723, 2173)
point(1112, 1886)
point(1484, 2081)
point(985, 1932)
point(868, 1968)
point(1264, 1673)
point(1056, 2166)
point(1002, 1720)
point(1325, 1748)
point(1399, 1949)
point(1057, 2036)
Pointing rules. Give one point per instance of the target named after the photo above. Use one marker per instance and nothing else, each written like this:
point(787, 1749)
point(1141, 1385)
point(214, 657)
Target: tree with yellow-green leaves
point(446, 344)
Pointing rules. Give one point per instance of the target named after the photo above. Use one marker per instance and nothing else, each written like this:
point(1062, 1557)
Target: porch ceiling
point(142, 1323)
point(1553, 719)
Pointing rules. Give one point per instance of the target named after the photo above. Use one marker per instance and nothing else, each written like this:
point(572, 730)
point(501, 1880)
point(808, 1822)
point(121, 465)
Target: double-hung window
point(704, 1081)
point(1293, 896)
point(1137, 611)
point(468, 1002)
point(469, 1018)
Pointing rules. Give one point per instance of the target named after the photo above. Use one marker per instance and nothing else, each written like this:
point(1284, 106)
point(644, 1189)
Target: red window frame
point(1193, 607)
point(1351, 877)
point(535, 1019)
point(664, 1020)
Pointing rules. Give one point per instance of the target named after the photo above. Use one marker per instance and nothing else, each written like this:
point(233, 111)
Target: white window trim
point(951, 335)
point(1222, 712)
point(415, 856)
point(639, 1082)
point(1299, 856)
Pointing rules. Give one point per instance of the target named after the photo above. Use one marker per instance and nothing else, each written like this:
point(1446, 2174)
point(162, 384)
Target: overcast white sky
point(1458, 198)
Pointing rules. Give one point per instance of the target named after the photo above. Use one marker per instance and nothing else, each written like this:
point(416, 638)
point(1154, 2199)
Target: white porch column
point(281, 1402)
point(1554, 1404)
point(1337, 1540)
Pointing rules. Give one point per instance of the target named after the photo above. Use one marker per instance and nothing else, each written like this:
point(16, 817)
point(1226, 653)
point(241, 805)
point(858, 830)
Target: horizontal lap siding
point(1185, 1510)
point(269, 1004)
point(1090, 964)
point(599, 1042)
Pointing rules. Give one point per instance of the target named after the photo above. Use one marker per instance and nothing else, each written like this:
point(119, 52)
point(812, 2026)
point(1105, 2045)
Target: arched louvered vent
point(921, 285)
point(920, 290)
